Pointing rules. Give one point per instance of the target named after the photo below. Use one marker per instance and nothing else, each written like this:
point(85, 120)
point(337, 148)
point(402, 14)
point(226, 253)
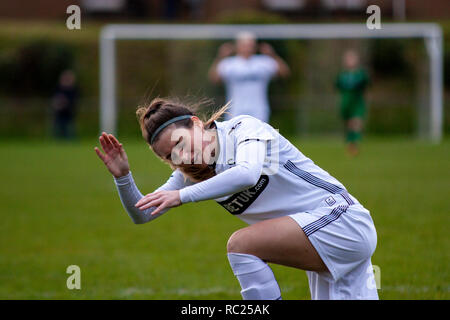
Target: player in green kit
point(351, 83)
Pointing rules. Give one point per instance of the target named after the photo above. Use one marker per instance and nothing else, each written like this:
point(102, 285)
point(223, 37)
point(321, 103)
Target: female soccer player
point(298, 215)
point(351, 83)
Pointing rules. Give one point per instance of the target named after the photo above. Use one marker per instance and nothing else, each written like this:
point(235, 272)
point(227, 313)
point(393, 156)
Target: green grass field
point(59, 207)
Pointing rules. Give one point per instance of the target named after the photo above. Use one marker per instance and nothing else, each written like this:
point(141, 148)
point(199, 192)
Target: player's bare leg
point(280, 241)
point(354, 128)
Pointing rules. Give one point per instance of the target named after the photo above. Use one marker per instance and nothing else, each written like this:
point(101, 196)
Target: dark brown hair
point(160, 110)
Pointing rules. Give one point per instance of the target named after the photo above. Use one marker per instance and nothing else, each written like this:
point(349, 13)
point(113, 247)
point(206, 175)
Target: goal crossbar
point(430, 32)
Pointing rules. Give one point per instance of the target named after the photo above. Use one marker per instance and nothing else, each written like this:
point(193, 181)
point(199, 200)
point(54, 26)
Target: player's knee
point(237, 242)
point(355, 124)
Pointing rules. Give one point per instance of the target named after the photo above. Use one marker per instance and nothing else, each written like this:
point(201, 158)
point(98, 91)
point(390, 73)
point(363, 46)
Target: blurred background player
point(246, 75)
point(63, 104)
point(351, 83)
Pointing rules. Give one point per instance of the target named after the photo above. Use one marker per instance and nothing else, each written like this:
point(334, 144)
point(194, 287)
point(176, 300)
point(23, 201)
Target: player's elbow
point(138, 221)
point(139, 218)
point(249, 175)
point(147, 216)
point(251, 180)
point(284, 72)
point(214, 78)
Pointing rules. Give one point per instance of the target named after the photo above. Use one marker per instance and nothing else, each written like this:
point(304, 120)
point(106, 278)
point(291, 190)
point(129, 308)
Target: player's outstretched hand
point(114, 156)
point(266, 49)
point(226, 49)
point(160, 199)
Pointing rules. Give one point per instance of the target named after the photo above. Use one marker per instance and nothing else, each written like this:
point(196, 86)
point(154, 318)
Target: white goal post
point(430, 32)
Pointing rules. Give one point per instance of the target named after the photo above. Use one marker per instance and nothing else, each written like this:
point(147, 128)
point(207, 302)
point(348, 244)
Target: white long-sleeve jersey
point(259, 175)
point(246, 81)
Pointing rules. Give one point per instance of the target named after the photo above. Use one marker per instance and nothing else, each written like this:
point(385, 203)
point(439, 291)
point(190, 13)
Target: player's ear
point(197, 121)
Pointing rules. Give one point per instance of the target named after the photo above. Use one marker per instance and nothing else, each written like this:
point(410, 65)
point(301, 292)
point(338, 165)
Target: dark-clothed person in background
point(63, 103)
point(352, 82)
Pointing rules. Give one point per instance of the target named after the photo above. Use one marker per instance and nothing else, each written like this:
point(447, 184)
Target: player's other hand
point(225, 50)
point(113, 156)
point(159, 199)
point(266, 49)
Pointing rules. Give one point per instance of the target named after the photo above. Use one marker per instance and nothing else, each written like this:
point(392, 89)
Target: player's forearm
point(228, 182)
point(129, 194)
point(283, 69)
point(249, 164)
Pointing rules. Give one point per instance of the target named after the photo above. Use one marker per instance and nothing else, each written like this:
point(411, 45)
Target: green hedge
point(32, 55)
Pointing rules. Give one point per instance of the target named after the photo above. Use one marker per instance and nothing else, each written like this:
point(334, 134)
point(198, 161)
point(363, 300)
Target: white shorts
point(343, 233)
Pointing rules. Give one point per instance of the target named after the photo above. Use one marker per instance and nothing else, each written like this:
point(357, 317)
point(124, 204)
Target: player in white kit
point(246, 75)
point(298, 214)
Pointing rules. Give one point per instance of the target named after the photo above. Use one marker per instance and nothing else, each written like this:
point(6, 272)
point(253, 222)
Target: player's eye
point(178, 146)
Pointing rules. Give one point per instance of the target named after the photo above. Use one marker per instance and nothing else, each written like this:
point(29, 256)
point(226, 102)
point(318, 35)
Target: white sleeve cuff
point(184, 196)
